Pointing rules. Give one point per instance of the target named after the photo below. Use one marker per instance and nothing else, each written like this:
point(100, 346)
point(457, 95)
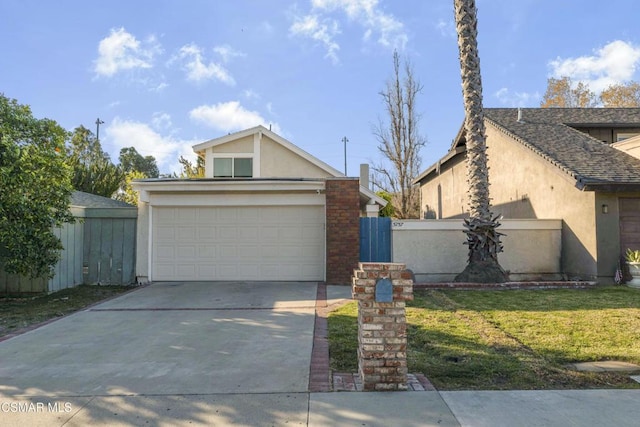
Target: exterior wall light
point(605, 209)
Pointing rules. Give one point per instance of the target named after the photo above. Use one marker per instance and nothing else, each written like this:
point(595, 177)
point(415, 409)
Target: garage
point(238, 243)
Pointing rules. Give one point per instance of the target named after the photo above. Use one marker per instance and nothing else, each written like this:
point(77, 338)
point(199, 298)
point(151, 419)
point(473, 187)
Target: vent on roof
point(519, 114)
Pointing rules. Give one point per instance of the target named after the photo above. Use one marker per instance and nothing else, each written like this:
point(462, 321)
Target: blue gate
point(375, 239)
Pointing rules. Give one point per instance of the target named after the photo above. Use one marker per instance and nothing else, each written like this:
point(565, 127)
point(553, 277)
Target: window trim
point(232, 157)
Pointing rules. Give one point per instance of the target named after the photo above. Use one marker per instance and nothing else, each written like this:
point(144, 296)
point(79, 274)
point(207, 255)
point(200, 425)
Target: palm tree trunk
point(482, 238)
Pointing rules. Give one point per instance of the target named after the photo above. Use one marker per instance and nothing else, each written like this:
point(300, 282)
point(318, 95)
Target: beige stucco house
point(265, 210)
point(556, 163)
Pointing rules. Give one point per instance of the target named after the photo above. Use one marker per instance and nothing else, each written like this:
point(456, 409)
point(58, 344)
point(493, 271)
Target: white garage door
point(238, 243)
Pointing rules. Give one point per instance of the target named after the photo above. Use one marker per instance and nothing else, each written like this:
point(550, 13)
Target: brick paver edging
point(319, 374)
point(507, 285)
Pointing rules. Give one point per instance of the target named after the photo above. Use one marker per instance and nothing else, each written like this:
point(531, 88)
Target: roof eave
point(443, 161)
point(608, 187)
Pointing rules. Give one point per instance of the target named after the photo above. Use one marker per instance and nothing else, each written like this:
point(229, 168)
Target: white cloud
point(122, 51)
point(161, 121)
point(317, 25)
point(517, 99)
point(251, 94)
point(160, 87)
point(228, 53)
point(198, 70)
point(323, 32)
point(229, 117)
point(391, 32)
point(614, 63)
point(148, 142)
point(447, 28)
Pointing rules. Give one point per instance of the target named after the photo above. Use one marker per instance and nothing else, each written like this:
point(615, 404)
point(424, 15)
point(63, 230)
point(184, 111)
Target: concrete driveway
point(167, 339)
point(171, 338)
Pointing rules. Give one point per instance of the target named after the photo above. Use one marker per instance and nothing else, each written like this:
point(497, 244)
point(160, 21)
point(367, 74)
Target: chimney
point(364, 175)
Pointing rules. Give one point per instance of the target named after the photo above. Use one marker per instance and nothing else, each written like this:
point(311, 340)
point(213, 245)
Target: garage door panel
point(206, 270)
point(165, 252)
point(186, 252)
point(238, 243)
point(207, 216)
point(249, 233)
point(186, 234)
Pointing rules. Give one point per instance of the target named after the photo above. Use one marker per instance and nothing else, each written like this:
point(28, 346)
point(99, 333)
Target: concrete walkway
point(219, 354)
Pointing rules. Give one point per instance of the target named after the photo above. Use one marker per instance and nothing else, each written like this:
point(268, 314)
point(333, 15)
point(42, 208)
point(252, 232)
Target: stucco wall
point(242, 145)
point(524, 185)
point(434, 249)
point(278, 162)
point(446, 194)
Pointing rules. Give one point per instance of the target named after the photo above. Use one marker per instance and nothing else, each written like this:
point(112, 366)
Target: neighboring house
point(555, 163)
point(265, 210)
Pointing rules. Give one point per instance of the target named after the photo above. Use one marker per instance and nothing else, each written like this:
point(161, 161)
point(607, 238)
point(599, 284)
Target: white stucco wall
point(434, 249)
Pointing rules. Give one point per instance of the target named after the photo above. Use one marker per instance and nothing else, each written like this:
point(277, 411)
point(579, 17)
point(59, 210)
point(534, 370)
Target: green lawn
point(520, 339)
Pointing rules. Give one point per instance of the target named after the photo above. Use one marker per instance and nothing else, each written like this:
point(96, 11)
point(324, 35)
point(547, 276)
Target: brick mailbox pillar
point(382, 290)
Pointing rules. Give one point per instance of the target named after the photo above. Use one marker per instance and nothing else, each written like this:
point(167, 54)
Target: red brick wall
point(343, 229)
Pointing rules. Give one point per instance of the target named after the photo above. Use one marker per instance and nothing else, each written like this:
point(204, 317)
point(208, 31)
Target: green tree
point(621, 95)
point(93, 171)
point(131, 160)
point(482, 237)
point(387, 211)
point(35, 190)
point(126, 193)
point(563, 93)
point(400, 140)
point(189, 170)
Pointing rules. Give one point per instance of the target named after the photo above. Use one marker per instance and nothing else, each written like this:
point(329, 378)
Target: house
point(265, 210)
point(556, 163)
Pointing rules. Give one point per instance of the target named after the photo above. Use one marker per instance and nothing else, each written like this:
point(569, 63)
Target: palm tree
point(482, 238)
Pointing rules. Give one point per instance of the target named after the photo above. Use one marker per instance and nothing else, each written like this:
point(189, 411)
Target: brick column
point(343, 229)
point(382, 290)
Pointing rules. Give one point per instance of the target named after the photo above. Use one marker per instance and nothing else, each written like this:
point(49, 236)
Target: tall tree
point(93, 171)
point(190, 170)
point(131, 160)
point(563, 93)
point(34, 192)
point(621, 95)
point(400, 140)
point(483, 238)
point(126, 193)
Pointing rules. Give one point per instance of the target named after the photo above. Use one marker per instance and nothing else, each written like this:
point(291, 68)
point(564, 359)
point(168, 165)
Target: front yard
point(521, 339)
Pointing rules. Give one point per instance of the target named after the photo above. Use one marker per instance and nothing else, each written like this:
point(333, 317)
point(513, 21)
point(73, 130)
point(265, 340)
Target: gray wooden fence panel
point(68, 270)
point(116, 251)
point(109, 248)
point(129, 251)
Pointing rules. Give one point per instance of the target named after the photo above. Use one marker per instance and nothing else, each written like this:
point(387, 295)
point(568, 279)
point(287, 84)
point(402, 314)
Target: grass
point(22, 312)
point(520, 339)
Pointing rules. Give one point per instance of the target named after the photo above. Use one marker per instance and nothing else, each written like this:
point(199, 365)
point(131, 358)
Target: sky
point(164, 75)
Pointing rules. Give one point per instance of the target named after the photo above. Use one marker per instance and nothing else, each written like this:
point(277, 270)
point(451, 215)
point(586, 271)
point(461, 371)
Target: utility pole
point(345, 140)
point(98, 123)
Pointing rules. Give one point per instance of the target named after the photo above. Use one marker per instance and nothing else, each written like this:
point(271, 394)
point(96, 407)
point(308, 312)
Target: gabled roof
point(551, 134)
point(273, 136)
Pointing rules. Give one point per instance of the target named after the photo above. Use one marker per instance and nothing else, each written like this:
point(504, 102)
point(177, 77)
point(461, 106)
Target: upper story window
point(232, 167)
point(626, 135)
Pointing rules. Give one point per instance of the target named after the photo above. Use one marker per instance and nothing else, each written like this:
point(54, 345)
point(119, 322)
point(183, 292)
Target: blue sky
point(164, 75)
